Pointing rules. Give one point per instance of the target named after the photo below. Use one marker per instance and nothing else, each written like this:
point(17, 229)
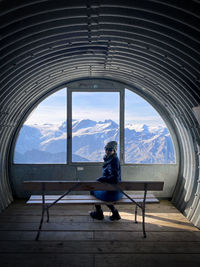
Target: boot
point(98, 215)
point(115, 216)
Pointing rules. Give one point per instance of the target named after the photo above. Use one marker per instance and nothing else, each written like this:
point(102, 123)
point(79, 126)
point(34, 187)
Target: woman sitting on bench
point(111, 174)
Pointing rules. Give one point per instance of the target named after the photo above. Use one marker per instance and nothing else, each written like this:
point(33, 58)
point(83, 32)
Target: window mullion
point(69, 126)
point(121, 126)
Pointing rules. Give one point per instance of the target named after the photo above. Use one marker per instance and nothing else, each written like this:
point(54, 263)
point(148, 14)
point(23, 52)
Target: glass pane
point(95, 121)
point(147, 139)
point(42, 139)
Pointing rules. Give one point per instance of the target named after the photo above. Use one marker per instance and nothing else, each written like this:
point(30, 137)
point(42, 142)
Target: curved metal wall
point(153, 45)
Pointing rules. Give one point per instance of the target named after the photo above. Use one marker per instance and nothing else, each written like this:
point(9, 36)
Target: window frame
point(69, 122)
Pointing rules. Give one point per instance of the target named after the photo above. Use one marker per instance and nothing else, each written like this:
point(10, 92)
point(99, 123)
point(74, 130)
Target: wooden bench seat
point(89, 199)
point(48, 201)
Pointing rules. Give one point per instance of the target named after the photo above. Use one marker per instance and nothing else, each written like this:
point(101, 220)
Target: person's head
point(111, 148)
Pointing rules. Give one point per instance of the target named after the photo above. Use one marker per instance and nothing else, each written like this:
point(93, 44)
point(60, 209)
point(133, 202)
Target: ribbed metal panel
point(153, 45)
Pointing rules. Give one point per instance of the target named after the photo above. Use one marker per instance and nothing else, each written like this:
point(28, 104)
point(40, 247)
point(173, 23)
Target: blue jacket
point(111, 174)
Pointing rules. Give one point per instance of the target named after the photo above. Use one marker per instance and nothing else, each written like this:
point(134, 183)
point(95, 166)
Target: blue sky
point(138, 110)
point(95, 106)
point(50, 110)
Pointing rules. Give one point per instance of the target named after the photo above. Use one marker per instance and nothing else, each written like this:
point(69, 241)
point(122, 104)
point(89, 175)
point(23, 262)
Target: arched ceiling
point(151, 44)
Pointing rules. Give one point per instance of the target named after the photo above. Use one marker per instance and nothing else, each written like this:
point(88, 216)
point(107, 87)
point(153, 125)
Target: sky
point(51, 110)
point(139, 111)
point(97, 106)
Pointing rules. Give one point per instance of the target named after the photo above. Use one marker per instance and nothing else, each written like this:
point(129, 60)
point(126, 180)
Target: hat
point(112, 145)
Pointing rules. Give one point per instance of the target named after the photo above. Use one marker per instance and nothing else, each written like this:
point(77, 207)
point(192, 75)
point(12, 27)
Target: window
point(42, 139)
point(147, 139)
point(95, 121)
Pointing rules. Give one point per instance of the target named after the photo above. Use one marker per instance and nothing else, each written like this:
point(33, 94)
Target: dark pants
point(98, 207)
point(111, 207)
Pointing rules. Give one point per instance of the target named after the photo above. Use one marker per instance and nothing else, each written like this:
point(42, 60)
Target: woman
point(111, 174)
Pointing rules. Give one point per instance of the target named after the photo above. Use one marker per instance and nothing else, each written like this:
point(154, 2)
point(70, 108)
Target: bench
point(47, 201)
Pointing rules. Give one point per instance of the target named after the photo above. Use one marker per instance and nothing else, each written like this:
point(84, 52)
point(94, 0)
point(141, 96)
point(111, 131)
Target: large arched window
point(88, 122)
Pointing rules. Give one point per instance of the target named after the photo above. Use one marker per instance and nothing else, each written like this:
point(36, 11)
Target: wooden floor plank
point(125, 217)
point(148, 260)
point(182, 236)
point(94, 246)
point(44, 260)
point(153, 225)
point(101, 236)
point(46, 235)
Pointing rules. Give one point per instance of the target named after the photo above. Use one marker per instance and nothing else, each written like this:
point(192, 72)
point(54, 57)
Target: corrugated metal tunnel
point(153, 46)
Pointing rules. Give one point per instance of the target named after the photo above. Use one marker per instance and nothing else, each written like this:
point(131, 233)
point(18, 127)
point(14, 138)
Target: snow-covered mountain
point(47, 143)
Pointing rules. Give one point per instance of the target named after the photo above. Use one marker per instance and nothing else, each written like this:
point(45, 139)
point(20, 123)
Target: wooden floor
point(72, 238)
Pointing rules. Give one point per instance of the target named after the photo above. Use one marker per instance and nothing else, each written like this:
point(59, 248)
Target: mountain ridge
point(143, 143)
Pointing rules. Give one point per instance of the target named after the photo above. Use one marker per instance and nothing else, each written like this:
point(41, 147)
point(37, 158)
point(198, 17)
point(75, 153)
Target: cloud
point(155, 120)
point(97, 107)
point(46, 114)
point(57, 115)
point(96, 115)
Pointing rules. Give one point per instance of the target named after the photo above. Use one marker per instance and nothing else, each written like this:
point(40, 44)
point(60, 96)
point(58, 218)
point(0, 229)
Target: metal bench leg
point(143, 223)
point(137, 204)
point(47, 209)
point(143, 211)
point(136, 214)
point(43, 210)
point(41, 222)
